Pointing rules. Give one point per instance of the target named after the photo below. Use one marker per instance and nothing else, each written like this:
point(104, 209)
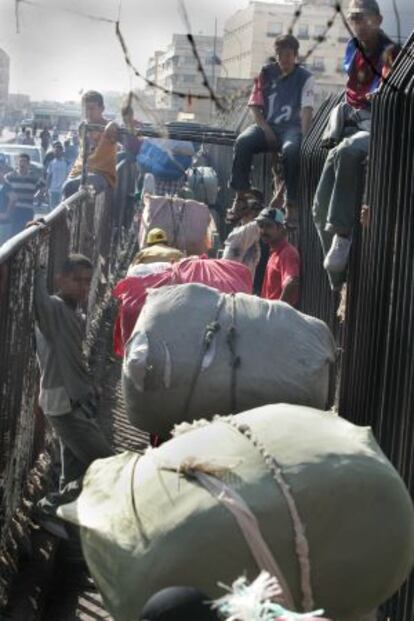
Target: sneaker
point(337, 257)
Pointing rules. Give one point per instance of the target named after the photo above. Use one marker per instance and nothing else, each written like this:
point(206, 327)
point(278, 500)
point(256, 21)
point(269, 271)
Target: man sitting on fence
point(282, 105)
point(67, 395)
point(339, 192)
point(281, 279)
point(101, 147)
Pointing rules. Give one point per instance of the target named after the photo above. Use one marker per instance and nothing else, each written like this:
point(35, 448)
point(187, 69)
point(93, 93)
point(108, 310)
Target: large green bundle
point(145, 527)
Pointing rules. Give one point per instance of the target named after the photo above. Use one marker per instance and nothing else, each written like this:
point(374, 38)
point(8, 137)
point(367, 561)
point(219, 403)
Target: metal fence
point(97, 227)
point(377, 384)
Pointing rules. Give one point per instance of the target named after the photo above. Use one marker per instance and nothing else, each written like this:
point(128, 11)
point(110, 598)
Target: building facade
point(175, 69)
point(249, 36)
point(4, 82)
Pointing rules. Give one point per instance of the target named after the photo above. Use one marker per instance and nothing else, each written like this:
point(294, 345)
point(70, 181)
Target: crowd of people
point(282, 105)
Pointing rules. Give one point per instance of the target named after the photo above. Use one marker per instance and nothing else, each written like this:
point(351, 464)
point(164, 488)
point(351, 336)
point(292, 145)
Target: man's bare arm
point(290, 291)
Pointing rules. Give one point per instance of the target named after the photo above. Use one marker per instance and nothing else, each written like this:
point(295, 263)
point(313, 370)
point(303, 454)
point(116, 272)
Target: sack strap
point(210, 330)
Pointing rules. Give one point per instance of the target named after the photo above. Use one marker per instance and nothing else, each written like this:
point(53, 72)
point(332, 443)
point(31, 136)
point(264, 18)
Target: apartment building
point(176, 69)
point(249, 36)
point(4, 81)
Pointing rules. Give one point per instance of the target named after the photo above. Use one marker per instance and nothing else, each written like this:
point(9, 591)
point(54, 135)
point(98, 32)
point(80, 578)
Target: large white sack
point(186, 222)
point(145, 527)
point(284, 356)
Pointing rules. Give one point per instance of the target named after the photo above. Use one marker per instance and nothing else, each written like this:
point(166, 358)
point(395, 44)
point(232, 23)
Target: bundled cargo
point(203, 182)
point(186, 222)
point(196, 352)
point(226, 276)
point(300, 493)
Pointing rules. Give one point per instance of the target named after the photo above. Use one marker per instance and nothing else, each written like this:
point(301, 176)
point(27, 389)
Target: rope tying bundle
point(301, 542)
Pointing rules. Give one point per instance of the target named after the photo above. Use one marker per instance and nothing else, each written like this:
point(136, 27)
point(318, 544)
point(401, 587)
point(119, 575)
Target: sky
point(57, 54)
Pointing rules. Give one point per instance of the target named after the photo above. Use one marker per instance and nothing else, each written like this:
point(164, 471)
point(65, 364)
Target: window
point(274, 29)
point(318, 63)
point(319, 31)
point(303, 31)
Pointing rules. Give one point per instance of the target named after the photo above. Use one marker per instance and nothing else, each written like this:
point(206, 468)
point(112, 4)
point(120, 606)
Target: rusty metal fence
point(97, 226)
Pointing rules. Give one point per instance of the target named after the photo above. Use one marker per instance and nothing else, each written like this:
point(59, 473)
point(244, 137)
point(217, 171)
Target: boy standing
point(67, 395)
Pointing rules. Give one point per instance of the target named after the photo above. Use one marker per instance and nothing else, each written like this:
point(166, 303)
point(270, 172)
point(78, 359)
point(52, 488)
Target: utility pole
point(213, 70)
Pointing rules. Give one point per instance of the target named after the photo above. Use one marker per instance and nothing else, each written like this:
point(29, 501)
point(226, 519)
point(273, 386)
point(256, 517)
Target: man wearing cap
point(157, 249)
point(56, 174)
point(281, 279)
point(281, 103)
point(242, 244)
point(339, 192)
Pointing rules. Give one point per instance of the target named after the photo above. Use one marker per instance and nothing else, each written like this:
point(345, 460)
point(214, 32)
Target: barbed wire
point(95, 18)
point(296, 16)
point(321, 38)
point(225, 103)
point(152, 83)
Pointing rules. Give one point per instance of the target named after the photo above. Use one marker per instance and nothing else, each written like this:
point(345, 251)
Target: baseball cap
point(359, 7)
point(156, 236)
point(273, 215)
point(57, 144)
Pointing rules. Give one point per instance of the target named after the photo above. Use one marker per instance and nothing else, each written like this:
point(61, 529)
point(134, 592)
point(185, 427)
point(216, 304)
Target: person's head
point(365, 18)
point(93, 105)
point(23, 163)
point(74, 278)
point(178, 604)
point(272, 227)
point(57, 149)
point(286, 52)
point(245, 206)
point(157, 236)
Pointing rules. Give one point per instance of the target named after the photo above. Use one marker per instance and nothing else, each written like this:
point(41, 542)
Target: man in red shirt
point(281, 279)
point(339, 192)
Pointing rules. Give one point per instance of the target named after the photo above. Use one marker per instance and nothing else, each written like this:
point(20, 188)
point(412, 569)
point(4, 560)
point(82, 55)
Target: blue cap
point(273, 215)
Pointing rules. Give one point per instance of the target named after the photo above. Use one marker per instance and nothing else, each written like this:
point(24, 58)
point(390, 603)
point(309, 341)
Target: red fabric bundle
point(222, 274)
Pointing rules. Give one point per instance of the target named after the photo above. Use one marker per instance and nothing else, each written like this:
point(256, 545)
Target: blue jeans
point(340, 188)
point(96, 180)
point(252, 141)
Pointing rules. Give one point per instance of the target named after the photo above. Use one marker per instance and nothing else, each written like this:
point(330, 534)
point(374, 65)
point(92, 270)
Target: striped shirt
point(23, 186)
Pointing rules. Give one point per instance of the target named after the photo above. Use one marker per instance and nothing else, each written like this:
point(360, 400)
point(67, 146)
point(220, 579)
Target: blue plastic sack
point(154, 160)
